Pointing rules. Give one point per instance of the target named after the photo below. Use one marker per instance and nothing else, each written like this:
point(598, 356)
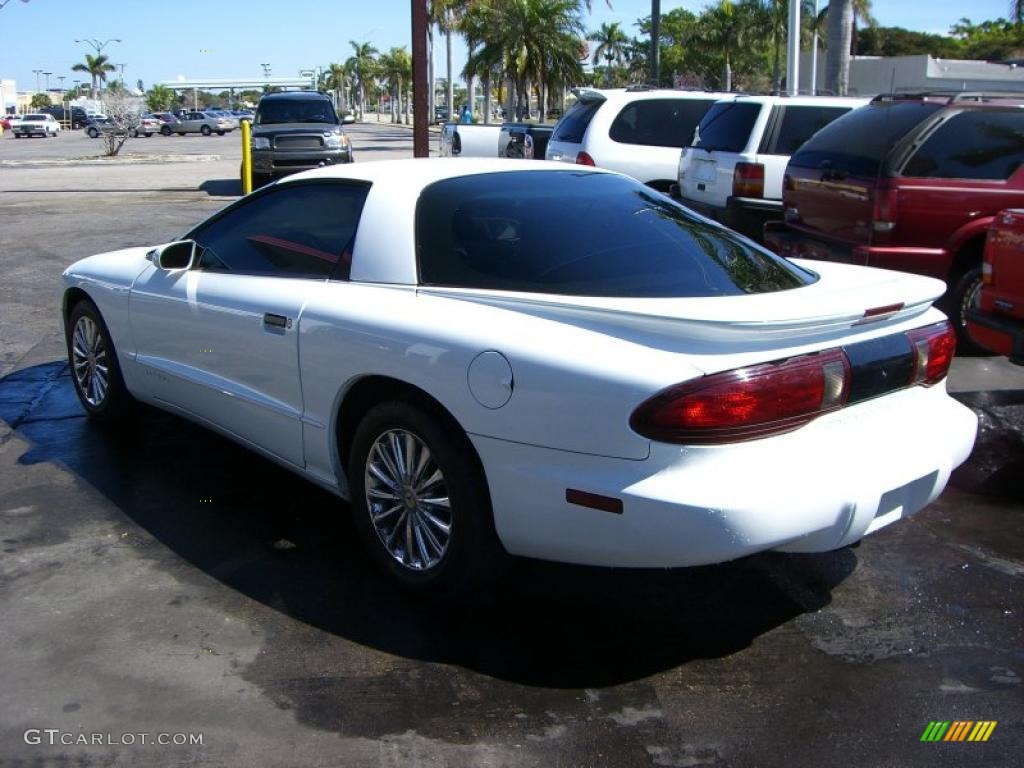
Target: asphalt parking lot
point(159, 579)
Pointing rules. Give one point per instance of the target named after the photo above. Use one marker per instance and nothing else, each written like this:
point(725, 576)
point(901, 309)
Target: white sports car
point(487, 357)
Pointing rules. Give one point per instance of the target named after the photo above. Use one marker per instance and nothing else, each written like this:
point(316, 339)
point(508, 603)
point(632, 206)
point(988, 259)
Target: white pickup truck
point(469, 140)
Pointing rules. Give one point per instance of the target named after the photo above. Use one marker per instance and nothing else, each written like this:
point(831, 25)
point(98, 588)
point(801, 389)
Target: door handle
point(276, 321)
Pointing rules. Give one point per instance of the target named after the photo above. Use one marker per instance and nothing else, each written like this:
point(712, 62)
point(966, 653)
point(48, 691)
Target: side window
point(973, 144)
point(659, 122)
point(296, 230)
point(799, 124)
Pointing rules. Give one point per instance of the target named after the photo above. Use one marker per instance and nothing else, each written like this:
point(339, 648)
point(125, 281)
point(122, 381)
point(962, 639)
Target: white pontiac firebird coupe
point(490, 357)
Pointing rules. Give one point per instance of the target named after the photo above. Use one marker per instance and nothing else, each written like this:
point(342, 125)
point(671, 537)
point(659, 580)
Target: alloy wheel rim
point(89, 361)
point(407, 500)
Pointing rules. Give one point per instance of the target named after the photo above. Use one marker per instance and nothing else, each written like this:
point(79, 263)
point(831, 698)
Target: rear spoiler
point(588, 95)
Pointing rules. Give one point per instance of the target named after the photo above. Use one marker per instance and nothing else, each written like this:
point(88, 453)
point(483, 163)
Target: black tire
point(220, 133)
point(205, 130)
point(165, 131)
point(92, 133)
point(147, 135)
point(181, 133)
point(260, 180)
point(473, 555)
point(962, 294)
point(133, 133)
point(116, 403)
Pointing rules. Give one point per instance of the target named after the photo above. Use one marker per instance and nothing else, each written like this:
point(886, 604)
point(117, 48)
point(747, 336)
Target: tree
point(96, 67)
point(123, 111)
point(395, 67)
point(40, 100)
point(990, 40)
point(362, 66)
point(336, 80)
point(896, 41)
point(839, 36)
point(159, 98)
point(612, 45)
point(726, 29)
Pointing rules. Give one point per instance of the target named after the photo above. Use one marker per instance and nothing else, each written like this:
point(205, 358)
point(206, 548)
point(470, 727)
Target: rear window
point(583, 234)
point(974, 144)
point(659, 122)
point(859, 141)
point(727, 126)
point(800, 123)
point(574, 124)
point(275, 111)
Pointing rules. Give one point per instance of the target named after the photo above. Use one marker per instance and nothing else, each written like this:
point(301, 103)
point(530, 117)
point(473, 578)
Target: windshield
point(583, 234)
point(275, 111)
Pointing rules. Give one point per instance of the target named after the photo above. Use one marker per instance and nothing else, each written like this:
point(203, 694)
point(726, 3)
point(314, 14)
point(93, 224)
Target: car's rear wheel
point(963, 294)
point(94, 367)
point(205, 130)
point(165, 131)
point(420, 501)
point(92, 133)
point(220, 133)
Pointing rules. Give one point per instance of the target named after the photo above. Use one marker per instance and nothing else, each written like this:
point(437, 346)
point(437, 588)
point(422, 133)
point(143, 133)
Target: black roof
point(295, 95)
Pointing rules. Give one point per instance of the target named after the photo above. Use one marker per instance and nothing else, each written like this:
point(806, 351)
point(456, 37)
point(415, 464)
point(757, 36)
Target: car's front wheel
point(963, 294)
point(420, 500)
point(165, 131)
point(94, 367)
point(92, 133)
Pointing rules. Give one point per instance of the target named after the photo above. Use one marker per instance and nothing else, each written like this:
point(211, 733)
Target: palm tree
point(612, 45)
point(362, 65)
point(727, 27)
point(395, 67)
point(838, 40)
point(521, 39)
point(97, 67)
point(335, 78)
point(1017, 11)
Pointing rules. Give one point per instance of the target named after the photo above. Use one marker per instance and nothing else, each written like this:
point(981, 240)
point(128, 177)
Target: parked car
point(97, 124)
point(35, 124)
point(524, 141)
point(75, 117)
point(997, 323)
point(395, 332)
point(226, 114)
point(294, 131)
point(441, 114)
point(637, 131)
point(469, 140)
point(204, 123)
point(147, 126)
point(733, 171)
point(168, 121)
point(909, 182)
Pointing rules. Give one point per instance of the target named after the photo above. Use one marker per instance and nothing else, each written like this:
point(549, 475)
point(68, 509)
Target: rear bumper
point(1000, 334)
point(818, 488)
point(746, 215)
point(791, 243)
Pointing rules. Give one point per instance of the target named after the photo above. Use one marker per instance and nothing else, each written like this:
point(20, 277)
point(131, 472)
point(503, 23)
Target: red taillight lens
point(934, 346)
point(584, 159)
point(747, 403)
point(748, 180)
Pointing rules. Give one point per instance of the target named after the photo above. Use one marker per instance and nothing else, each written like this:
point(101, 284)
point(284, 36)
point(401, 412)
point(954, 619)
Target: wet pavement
point(160, 579)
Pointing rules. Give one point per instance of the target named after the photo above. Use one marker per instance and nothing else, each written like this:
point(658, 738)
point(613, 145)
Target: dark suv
point(295, 131)
point(75, 116)
point(909, 182)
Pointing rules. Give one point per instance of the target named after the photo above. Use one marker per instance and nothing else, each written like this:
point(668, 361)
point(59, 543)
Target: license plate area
point(879, 366)
point(704, 170)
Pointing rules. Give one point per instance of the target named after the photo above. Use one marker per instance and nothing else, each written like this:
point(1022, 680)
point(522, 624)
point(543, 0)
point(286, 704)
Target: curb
point(98, 160)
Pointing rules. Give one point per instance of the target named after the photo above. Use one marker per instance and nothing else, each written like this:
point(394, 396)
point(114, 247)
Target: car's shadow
point(279, 540)
point(222, 187)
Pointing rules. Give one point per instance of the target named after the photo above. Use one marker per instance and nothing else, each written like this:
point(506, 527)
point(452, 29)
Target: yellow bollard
point(246, 158)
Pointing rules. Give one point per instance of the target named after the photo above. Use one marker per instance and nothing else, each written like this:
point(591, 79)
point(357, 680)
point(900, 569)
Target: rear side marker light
point(986, 272)
point(773, 398)
point(594, 501)
point(583, 158)
point(748, 180)
point(934, 346)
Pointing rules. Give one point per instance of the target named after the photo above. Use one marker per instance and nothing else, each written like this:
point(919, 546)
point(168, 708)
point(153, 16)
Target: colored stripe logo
point(958, 730)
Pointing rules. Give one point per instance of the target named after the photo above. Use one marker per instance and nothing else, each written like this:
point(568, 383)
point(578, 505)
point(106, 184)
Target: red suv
point(997, 323)
point(909, 182)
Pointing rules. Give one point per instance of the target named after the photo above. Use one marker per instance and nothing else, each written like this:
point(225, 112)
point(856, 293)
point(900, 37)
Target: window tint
point(659, 122)
point(974, 144)
point(574, 124)
point(274, 111)
point(800, 123)
point(299, 230)
point(727, 126)
point(583, 234)
point(859, 141)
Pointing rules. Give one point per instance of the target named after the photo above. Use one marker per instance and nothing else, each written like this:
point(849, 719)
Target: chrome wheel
point(407, 499)
point(89, 360)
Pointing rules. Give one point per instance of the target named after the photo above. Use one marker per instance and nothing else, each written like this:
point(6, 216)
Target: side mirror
point(176, 255)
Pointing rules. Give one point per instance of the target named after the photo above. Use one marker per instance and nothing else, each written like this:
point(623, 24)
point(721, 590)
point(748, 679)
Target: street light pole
point(655, 42)
point(47, 76)
point(37, 73)
point(121, 67)
point(97, 45)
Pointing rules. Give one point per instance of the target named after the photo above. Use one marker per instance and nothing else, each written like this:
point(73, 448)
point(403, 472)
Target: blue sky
point(163, 39)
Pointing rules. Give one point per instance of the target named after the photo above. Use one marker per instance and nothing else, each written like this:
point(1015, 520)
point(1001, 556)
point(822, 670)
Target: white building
point(8, 95)
point(880, 74)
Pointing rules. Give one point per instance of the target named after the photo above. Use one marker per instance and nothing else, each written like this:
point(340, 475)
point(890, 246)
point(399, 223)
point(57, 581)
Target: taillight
point(584, 159)
point(747, 403)
point(748, 180)
point(787, 183)
point(934, 346)
point(886, 203)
